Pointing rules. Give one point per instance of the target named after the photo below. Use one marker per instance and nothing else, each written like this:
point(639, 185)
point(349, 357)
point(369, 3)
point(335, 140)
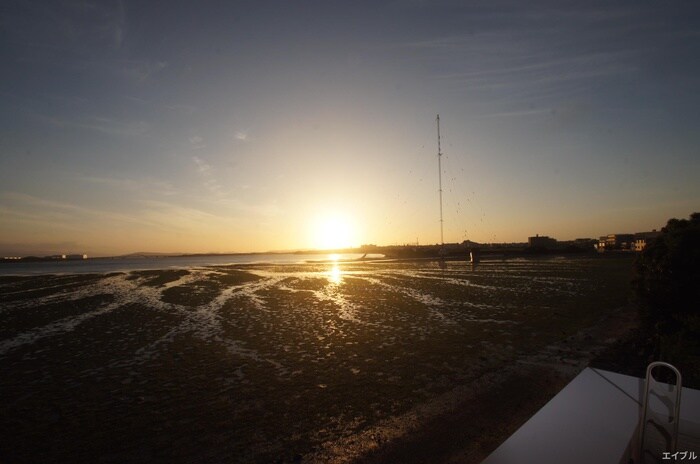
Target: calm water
point(266, 362)
point(104, 265)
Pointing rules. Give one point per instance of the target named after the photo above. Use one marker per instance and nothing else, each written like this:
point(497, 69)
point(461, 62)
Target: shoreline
point(118, 267)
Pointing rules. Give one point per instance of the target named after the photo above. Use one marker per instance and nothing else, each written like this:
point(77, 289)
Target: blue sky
point(242, 126)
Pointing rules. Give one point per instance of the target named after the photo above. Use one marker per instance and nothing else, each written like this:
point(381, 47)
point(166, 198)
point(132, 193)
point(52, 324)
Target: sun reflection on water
point(334, 274)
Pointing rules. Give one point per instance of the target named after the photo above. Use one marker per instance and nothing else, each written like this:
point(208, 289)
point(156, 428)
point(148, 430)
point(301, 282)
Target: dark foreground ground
point(500, 402)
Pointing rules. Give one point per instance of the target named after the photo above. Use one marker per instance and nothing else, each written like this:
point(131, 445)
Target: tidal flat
point(270, 363)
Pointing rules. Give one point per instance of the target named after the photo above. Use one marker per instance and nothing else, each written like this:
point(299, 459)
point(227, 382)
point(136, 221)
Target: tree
point(667, 288)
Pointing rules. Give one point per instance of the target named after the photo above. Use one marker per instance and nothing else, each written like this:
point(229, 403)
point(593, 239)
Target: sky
point(241, 126)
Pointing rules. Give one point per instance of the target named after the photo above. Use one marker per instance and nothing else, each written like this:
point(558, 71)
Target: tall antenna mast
point(442, 236)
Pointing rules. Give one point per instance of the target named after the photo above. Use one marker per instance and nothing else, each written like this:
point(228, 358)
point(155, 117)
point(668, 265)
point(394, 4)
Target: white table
point(592, 420)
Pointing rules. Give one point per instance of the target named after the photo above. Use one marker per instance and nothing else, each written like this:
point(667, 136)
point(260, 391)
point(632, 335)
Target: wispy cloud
point(202, 166)
point(108, 20)
point(518, 114)
point(147, 185)
point(119, 25)
point(529, 79)
point(139, 70)
point(53, 213)
point(96, 123)
point(43, 204)
point(525, 56)
point(166, 212)
point(42, 216)
point(148, 222)
point(268, 209)
point(15, 214)
point(197, 142)
point(73, 27)
point(545, 64)
point(85, 36)
point(207, 174)
point(224, 200)
point(186, 109)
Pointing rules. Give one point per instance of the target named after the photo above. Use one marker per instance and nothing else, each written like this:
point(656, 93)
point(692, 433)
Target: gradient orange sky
point(255, 126)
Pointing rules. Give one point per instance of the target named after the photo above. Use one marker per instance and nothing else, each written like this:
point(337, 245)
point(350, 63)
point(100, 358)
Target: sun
point(333, 231)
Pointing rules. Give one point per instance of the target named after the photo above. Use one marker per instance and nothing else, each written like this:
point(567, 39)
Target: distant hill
point(147, 254)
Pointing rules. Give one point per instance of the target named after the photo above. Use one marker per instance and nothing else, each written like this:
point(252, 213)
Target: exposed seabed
point(264, 363)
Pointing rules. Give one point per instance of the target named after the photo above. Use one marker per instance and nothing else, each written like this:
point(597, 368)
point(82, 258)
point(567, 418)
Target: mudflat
point(325, 362)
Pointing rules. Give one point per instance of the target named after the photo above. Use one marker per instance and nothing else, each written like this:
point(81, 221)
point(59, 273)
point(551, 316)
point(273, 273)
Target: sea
point(125, 264)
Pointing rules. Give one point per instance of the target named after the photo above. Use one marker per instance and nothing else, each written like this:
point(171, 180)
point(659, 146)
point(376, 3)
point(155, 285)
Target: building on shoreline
point(543, 242)
point(73, 257)
point(642, 239)
point(616, 242)
point(549, 244)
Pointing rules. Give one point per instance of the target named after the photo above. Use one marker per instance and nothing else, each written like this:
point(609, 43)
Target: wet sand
point(332, 362)
point(464, 426)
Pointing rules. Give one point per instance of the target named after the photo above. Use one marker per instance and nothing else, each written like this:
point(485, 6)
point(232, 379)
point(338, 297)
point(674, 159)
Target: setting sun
point(332, 232)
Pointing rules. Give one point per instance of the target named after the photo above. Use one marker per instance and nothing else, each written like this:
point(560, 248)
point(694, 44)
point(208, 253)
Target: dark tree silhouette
point(667, 288)
point(667, 274)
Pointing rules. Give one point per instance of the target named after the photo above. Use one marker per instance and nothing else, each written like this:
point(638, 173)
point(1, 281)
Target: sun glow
point(333, 232)
point(335, 275)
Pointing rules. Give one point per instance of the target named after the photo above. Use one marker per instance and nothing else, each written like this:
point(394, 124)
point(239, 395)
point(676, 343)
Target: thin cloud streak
point(197, 143)
point(153, 215)
point(96, 123)
point(148, 186)
point(66, 214)
point(518, 114)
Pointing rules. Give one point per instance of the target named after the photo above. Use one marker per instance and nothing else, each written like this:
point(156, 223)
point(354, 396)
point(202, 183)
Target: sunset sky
point(267, 125)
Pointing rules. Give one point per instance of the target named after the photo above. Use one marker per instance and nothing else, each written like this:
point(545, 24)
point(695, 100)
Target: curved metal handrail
point(674, 415)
